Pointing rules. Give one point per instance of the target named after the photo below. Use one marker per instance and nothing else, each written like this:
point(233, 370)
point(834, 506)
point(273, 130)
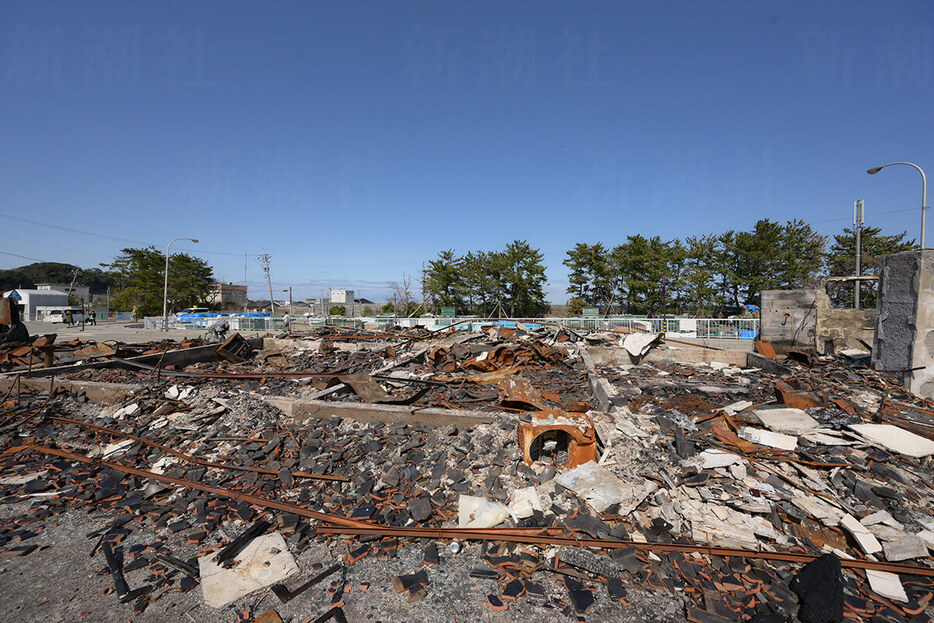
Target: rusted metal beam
point(245, 497)
point(193, 459)
point(191, 484)
point(686, 548)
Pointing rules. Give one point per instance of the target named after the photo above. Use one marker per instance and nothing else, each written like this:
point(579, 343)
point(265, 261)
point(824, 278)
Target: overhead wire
point(115, 238)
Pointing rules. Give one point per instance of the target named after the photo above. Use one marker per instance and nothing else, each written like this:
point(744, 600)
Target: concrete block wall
point(840, 329)
point(804, 319)
point(904, 336)
point(789, 317)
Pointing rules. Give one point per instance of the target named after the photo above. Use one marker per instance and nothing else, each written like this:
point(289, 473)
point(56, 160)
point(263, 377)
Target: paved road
point(121, 331)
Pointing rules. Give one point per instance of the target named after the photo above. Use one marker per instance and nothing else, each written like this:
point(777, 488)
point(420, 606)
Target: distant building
point(31, 299)
point(341, 297)
point(82, 292)
point(223, 293)
point(353, 307)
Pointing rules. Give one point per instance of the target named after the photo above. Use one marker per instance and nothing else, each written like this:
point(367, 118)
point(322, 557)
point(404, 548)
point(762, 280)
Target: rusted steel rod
point(193, 459)
point(519, 535)
point(687, 548)
point(191, 484)
point(253, 499)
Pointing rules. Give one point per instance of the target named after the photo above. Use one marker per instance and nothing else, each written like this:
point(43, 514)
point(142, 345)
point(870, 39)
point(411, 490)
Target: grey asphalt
point(122, 331)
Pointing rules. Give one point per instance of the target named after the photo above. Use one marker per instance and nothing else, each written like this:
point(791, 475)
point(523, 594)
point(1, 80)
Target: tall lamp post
point(291, 313)
point(924, 192)
point(165, 293)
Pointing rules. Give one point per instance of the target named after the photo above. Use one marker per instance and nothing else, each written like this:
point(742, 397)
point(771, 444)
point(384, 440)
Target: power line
point(199, 251)
point(22, 256)
point(69, 229)
point(834, 220)
point(116, 238)
point(55, 246)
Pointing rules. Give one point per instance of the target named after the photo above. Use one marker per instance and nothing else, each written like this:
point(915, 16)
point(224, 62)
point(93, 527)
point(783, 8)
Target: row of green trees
point(704, 275)
point(716, 274)
point(510, 282)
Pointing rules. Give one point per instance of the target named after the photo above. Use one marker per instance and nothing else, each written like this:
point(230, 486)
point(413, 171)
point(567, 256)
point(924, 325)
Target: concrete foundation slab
point(362, 412)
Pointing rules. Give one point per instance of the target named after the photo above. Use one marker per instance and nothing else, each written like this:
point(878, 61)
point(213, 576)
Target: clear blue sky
point(352, 141)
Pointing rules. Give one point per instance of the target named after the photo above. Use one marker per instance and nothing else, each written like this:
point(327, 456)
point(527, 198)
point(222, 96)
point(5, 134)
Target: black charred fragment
point(185, 567)
point(430, 556)
point(285, 595)
point(226, 556)
point(116, 572)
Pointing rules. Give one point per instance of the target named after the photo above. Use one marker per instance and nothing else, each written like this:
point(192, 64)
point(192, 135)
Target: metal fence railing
point(689, 328)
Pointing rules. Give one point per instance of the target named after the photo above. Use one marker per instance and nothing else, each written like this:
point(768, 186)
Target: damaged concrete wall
point(803, 319)
point(788, 318)
point(838, 329)
point(905, 321)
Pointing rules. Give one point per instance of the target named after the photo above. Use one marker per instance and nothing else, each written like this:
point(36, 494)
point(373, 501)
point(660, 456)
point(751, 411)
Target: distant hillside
point(53, 272)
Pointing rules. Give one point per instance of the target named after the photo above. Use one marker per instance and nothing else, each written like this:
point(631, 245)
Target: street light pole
point(165, 292)
point(924, 192)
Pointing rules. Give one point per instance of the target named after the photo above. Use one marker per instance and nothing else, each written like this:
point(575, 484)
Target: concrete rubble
point(397, 474)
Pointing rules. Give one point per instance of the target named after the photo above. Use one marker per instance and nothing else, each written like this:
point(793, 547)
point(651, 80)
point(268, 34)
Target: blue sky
point(352, 141)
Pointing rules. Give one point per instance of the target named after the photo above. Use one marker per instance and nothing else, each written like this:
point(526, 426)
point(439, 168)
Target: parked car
point(58, 315)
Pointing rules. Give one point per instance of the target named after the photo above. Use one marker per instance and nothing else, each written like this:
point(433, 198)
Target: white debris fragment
point(905, 548)
point(927, 537)
point(882, 516)
point(113, 450)
point(160, 466)
point(895, 439)
point(477, 512)
point(712, 459)
point(524, 503)
point(638, 344)
point(864, 538)
point(823, 512)
point(826, 437)
point(787, 420)
point(768, 438)
point(263, 562)
point(24, 479)
point(886, 585)
point(130, 409)
point(601, 488)
point(629, 429)
point(736, 407)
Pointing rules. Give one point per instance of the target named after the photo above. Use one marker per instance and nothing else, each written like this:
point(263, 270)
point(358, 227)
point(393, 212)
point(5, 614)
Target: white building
point(31, 299)
point(341, 297)
point(82, 292)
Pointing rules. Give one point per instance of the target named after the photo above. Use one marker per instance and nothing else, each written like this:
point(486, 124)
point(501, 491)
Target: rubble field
point(501, 475)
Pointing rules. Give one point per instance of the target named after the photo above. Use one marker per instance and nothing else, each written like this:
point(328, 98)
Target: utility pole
point(858, 223)
point(264, 258)
point(71, 287)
